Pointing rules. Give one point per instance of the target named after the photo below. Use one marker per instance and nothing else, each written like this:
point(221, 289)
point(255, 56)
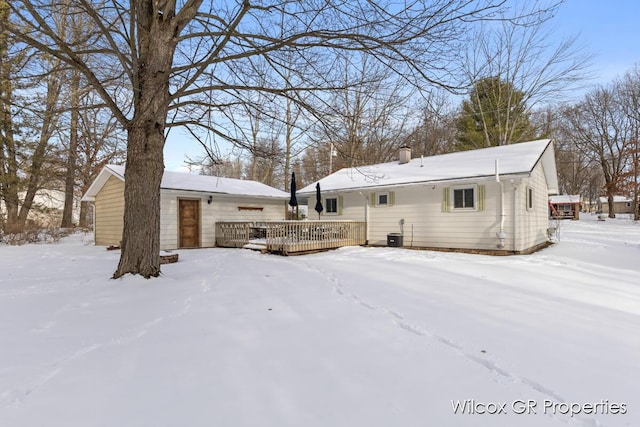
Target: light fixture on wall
point(210, 200)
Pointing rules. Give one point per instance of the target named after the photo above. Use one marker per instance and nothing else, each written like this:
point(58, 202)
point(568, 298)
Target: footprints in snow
point(502, 375)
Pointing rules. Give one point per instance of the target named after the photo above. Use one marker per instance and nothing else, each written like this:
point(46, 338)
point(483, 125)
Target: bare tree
point(171, 52)
point(601, 130)
point(367, 119)
point(436, 131)
point(513, 69)
point(101, 141)
point(629, 96)
point(9, 178)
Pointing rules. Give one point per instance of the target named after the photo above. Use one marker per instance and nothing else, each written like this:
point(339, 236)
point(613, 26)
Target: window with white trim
point(529, 198)
point(464, 198)
point(382, 199)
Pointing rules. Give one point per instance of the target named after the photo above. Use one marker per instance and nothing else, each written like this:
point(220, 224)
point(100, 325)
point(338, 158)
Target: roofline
point(107, 172)
point(256, 196)
point(99, 182)
point(409, 183)
point(555, 189)
point(491, 177)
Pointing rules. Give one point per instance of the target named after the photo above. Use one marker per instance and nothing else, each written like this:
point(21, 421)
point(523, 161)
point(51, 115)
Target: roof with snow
point(616, 199)
point(190, 182)
point(564, 198)
point(515, 159)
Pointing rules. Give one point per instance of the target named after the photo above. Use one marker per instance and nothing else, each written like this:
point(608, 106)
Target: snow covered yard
point(352, 337)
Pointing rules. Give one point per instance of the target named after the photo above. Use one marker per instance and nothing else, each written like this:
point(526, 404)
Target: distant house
point(621, 205)
point(190, 205)
point(492, 199)
point(46, 208)
point(564, 206)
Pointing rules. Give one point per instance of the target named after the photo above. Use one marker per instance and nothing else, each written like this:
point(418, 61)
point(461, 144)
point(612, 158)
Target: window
point(383, 199)
point(331, 205)
point(464, 198)
point(470, 197)
point(529, 198)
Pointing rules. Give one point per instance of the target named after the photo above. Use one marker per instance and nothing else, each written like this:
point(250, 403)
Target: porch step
point(256, 247)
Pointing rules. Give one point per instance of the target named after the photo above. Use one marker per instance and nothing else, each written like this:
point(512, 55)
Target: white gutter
point(501, 235)
point(515, 214)
point(366, 216)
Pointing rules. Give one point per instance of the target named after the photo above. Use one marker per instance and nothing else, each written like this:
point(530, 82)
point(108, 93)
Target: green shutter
point(392, 198)
point(481, 197)
point(446, 206)
point(373, 199)
point(339, 205)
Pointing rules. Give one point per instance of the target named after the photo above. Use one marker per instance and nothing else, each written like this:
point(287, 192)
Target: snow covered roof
point(565, 198)
point(190, 182)
point(621, 199)
point(513, 159)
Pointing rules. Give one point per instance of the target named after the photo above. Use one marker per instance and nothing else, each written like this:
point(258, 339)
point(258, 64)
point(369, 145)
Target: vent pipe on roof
point(404, 154)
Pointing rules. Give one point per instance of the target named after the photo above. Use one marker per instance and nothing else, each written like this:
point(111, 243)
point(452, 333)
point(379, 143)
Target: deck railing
point(292, 236)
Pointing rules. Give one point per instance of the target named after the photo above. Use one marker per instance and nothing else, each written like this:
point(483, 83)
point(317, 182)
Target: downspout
point(93, 219)
point(366, 217)
point(515, 215)
point(501, 235)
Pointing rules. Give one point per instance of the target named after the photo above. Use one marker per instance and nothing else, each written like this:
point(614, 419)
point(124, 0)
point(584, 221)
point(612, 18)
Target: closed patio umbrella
point(293, 201)
point(318, 200)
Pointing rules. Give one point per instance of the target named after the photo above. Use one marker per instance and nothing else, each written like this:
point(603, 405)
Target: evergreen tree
point(494, 114)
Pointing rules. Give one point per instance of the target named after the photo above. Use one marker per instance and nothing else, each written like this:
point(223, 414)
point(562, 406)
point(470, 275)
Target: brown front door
point(189, 223)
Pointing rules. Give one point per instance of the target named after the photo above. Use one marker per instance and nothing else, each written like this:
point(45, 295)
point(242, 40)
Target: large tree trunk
point(140, 246)
point(143, 174)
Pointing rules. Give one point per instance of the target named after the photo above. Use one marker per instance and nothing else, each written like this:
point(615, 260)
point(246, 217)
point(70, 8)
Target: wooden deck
point(289, 237)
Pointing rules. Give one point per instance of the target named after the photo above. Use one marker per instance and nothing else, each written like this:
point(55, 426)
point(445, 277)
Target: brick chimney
point(404, 154)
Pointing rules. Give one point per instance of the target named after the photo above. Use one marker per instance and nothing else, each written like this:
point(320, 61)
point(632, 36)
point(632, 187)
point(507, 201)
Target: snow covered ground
point(352, 337)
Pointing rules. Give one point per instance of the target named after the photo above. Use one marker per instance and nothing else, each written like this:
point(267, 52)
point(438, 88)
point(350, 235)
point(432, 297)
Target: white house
point(190, 205)
point(46, 209)
point(492, 199)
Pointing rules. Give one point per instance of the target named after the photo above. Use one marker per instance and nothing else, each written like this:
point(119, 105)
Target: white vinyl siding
point(430, 220)
point(532, 223)
point(221, 208)
point(426, 223)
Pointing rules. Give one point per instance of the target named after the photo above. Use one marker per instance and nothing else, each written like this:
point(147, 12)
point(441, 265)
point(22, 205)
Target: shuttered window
point(465, 198)
point(380, 199)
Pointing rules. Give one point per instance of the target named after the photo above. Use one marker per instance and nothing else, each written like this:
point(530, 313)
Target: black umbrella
point(318, 200)
point(293, 201)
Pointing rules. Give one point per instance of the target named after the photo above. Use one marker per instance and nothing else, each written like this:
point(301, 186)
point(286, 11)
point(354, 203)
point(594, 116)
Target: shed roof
point(190, 182)
point(512, 159)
